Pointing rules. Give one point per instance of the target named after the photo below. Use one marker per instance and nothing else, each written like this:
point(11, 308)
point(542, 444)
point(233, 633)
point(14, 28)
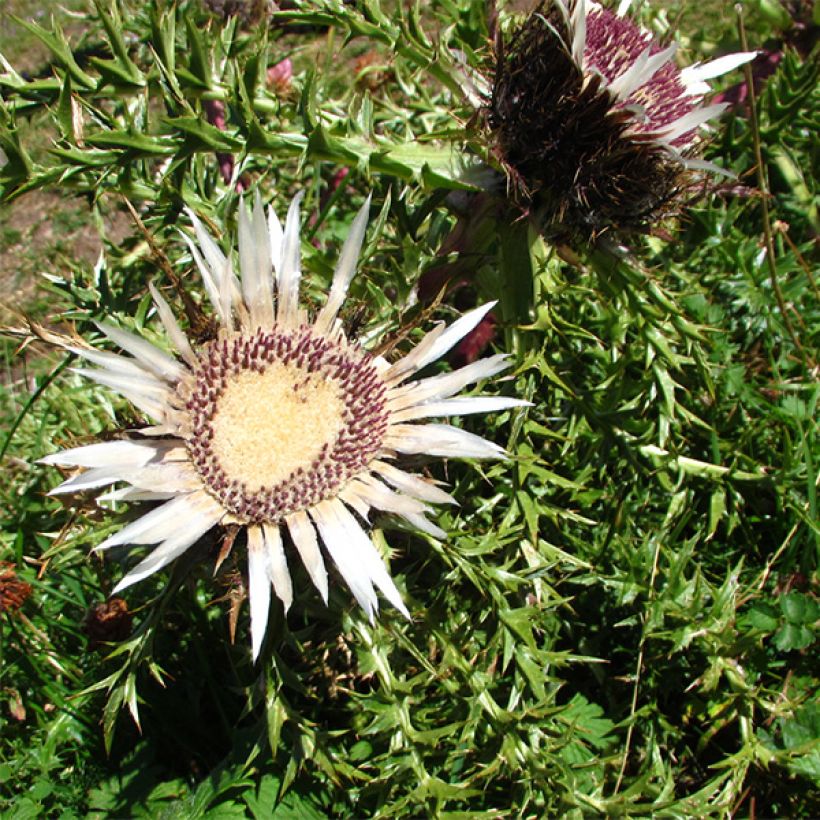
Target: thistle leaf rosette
point(280, 424)
point(594, 123)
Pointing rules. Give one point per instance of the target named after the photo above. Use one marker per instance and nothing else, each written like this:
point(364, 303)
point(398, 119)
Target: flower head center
point(282, 419)
point(268, 425)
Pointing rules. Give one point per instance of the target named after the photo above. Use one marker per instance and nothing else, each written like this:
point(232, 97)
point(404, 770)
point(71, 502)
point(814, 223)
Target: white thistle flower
point(592, 119)
point(280, 424)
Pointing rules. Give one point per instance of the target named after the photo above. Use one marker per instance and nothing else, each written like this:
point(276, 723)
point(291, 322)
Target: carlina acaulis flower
point(595, 125)
point(280, 424)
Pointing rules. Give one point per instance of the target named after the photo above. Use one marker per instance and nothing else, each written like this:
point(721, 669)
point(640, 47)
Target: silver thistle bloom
point(280, 424)
point(593, 121)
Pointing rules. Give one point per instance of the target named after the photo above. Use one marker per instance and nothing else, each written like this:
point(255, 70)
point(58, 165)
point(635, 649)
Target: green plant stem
point(764, 191)
point(30, 403)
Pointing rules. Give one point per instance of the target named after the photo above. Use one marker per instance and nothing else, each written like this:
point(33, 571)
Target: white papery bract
point(280, 424)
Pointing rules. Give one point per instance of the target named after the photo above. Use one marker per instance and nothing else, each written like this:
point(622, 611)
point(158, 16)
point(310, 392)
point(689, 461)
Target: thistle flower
point(280, 424)
point(593, 121)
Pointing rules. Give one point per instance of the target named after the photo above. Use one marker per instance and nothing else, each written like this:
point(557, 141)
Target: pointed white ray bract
point(579, 32)
point(134, 494)
point(277, 564)
point(345, 269)
point(693, 75)
point(161, 522)
point(211, 285)
point(264, 289)
point(355, 555)
point(445, 385)
point(424, 525)
point(463, 406)
point(412, 485)
point(259, 587)
point(113, 362)
point(353, 494)
point(454, 333)
point(172, 328)
point(88, 480)
point(215, 260)
point(276, 237)
point(705, 165)
point(255, 264)
point(304, 538)
point(440, 440)
point(216, 270)
point(370, 557)
point(144, 396)
point(176, 477)
point(346, 558)
point(640, 72)
point(146, 353)
point(405, 367)
point(110, 454)
point(144, 383)
point(247, 257)
point(691, 121)
point(376, 495)
point(289, 276)
point(436, 343)
point(183, 538)
point(226, 302)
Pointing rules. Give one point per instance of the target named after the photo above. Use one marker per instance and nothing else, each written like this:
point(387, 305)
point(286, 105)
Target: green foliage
point(145, 148)
point(622, 618)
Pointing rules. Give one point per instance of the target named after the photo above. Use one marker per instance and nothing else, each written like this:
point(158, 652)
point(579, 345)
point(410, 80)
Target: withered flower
point(13, 591)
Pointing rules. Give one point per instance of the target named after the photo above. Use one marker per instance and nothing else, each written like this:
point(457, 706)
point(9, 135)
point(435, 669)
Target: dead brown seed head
point(13, 591)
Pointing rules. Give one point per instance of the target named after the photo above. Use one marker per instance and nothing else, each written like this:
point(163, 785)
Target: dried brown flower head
point(594, 123)
point(13, 591)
